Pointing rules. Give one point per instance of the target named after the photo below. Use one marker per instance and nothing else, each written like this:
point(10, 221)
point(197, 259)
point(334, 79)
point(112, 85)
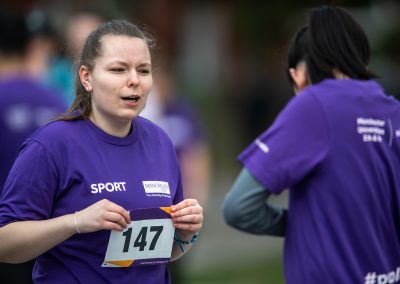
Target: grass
point(258, 271)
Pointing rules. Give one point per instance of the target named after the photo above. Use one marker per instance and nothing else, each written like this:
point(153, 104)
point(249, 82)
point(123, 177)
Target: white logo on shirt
point(386, 277)
point(371, 129)
point(21, 117)
point(262, 146)
point(156, 188)
point(108, 186)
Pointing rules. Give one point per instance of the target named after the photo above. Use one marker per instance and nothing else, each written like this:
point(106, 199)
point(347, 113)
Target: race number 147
point(141, 239)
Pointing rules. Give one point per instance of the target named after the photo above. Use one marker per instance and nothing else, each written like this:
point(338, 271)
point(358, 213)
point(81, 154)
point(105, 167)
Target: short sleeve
point(295, 145)
point(31, 186)
point(179, 191)
point(179, 194)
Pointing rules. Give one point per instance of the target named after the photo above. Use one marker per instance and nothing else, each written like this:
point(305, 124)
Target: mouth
point(133, 99)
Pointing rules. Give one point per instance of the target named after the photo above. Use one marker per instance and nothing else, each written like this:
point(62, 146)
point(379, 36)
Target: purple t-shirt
point(336, 147)
point(68, 165)
point(25, 105)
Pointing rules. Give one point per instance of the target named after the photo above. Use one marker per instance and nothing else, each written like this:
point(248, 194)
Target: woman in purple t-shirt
point(334, 146)
point(78, 177)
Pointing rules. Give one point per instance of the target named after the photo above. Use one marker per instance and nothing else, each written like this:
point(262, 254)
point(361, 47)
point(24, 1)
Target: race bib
point(147, 240)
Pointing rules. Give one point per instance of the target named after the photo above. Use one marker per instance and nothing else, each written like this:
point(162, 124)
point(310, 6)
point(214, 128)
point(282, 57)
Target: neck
point(114, 129)
point(339, 75)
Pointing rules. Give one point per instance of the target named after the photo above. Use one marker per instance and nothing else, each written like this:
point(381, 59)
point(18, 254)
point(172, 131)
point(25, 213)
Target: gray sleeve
point(245, 208)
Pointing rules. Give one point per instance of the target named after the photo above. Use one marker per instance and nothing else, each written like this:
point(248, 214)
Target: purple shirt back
point(69, 165)
point(336, 146)
point(25, 105)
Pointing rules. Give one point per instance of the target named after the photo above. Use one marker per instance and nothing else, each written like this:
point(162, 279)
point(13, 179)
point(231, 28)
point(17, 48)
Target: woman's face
point(119, 82)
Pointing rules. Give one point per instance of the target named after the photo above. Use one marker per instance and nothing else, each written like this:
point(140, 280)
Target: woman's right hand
point(102, 215)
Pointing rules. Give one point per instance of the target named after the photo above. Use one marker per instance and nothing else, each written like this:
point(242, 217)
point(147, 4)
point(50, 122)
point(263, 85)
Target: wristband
point(181, 242)
point(76, 223)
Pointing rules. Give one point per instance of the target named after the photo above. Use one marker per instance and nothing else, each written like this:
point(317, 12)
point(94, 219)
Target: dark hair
point(332, 40)
point(298, 49)
point(14, 33)
point(81, 106)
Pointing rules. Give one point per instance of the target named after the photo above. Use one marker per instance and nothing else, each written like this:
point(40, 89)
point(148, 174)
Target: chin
point(130, 115)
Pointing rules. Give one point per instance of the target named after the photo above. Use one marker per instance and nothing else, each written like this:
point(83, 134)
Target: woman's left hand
point(187, 216)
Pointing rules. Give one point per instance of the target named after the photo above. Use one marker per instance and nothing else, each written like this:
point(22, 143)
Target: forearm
point(266, 220)
point(24, 240)
point(177, 252)
point(187, 217)
point(245, 208)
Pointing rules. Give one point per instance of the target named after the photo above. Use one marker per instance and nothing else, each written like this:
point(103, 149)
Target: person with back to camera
point(336, 146)
point(76, 178)
point(26, 103)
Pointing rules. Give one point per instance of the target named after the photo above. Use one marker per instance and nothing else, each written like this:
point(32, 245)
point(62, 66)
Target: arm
point(24, 240)
point(177, 252)
point(187, 217)
point(245, 208)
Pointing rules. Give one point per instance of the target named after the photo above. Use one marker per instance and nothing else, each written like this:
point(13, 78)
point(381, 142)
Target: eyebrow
point(144, 64)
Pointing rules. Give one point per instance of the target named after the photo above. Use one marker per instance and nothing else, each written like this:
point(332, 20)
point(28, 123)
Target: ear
point(84, 76)
point(299, 76)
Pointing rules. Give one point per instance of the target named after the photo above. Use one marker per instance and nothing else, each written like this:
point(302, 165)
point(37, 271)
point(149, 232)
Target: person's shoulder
point(325, 86)
point(345, 85)
point(32, 91)
point(49, 94)
point(331, 90)
point(306, 103)
point(55, 131)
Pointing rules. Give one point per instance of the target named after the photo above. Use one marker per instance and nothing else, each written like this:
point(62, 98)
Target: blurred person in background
point(177, 115)
point(26, 103)
point(93, 164)
point(42, 44)
point(174, 112)
point(61, 72)
point(336, 146)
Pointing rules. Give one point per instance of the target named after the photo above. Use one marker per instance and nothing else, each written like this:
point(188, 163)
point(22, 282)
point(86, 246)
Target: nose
point(133, 79)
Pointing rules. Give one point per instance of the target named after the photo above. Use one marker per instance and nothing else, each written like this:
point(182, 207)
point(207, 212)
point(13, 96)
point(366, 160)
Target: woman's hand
point(187, 216)
point(102, 215)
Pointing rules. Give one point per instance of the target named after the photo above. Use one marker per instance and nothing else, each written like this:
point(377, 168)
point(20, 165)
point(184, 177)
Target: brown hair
point(82, 104)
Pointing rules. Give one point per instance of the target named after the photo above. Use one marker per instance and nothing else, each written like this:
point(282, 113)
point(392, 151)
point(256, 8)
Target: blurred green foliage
point(260, 271)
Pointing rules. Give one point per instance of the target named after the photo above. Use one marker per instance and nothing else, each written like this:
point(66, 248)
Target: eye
point(144, 71)
point(117, 69)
